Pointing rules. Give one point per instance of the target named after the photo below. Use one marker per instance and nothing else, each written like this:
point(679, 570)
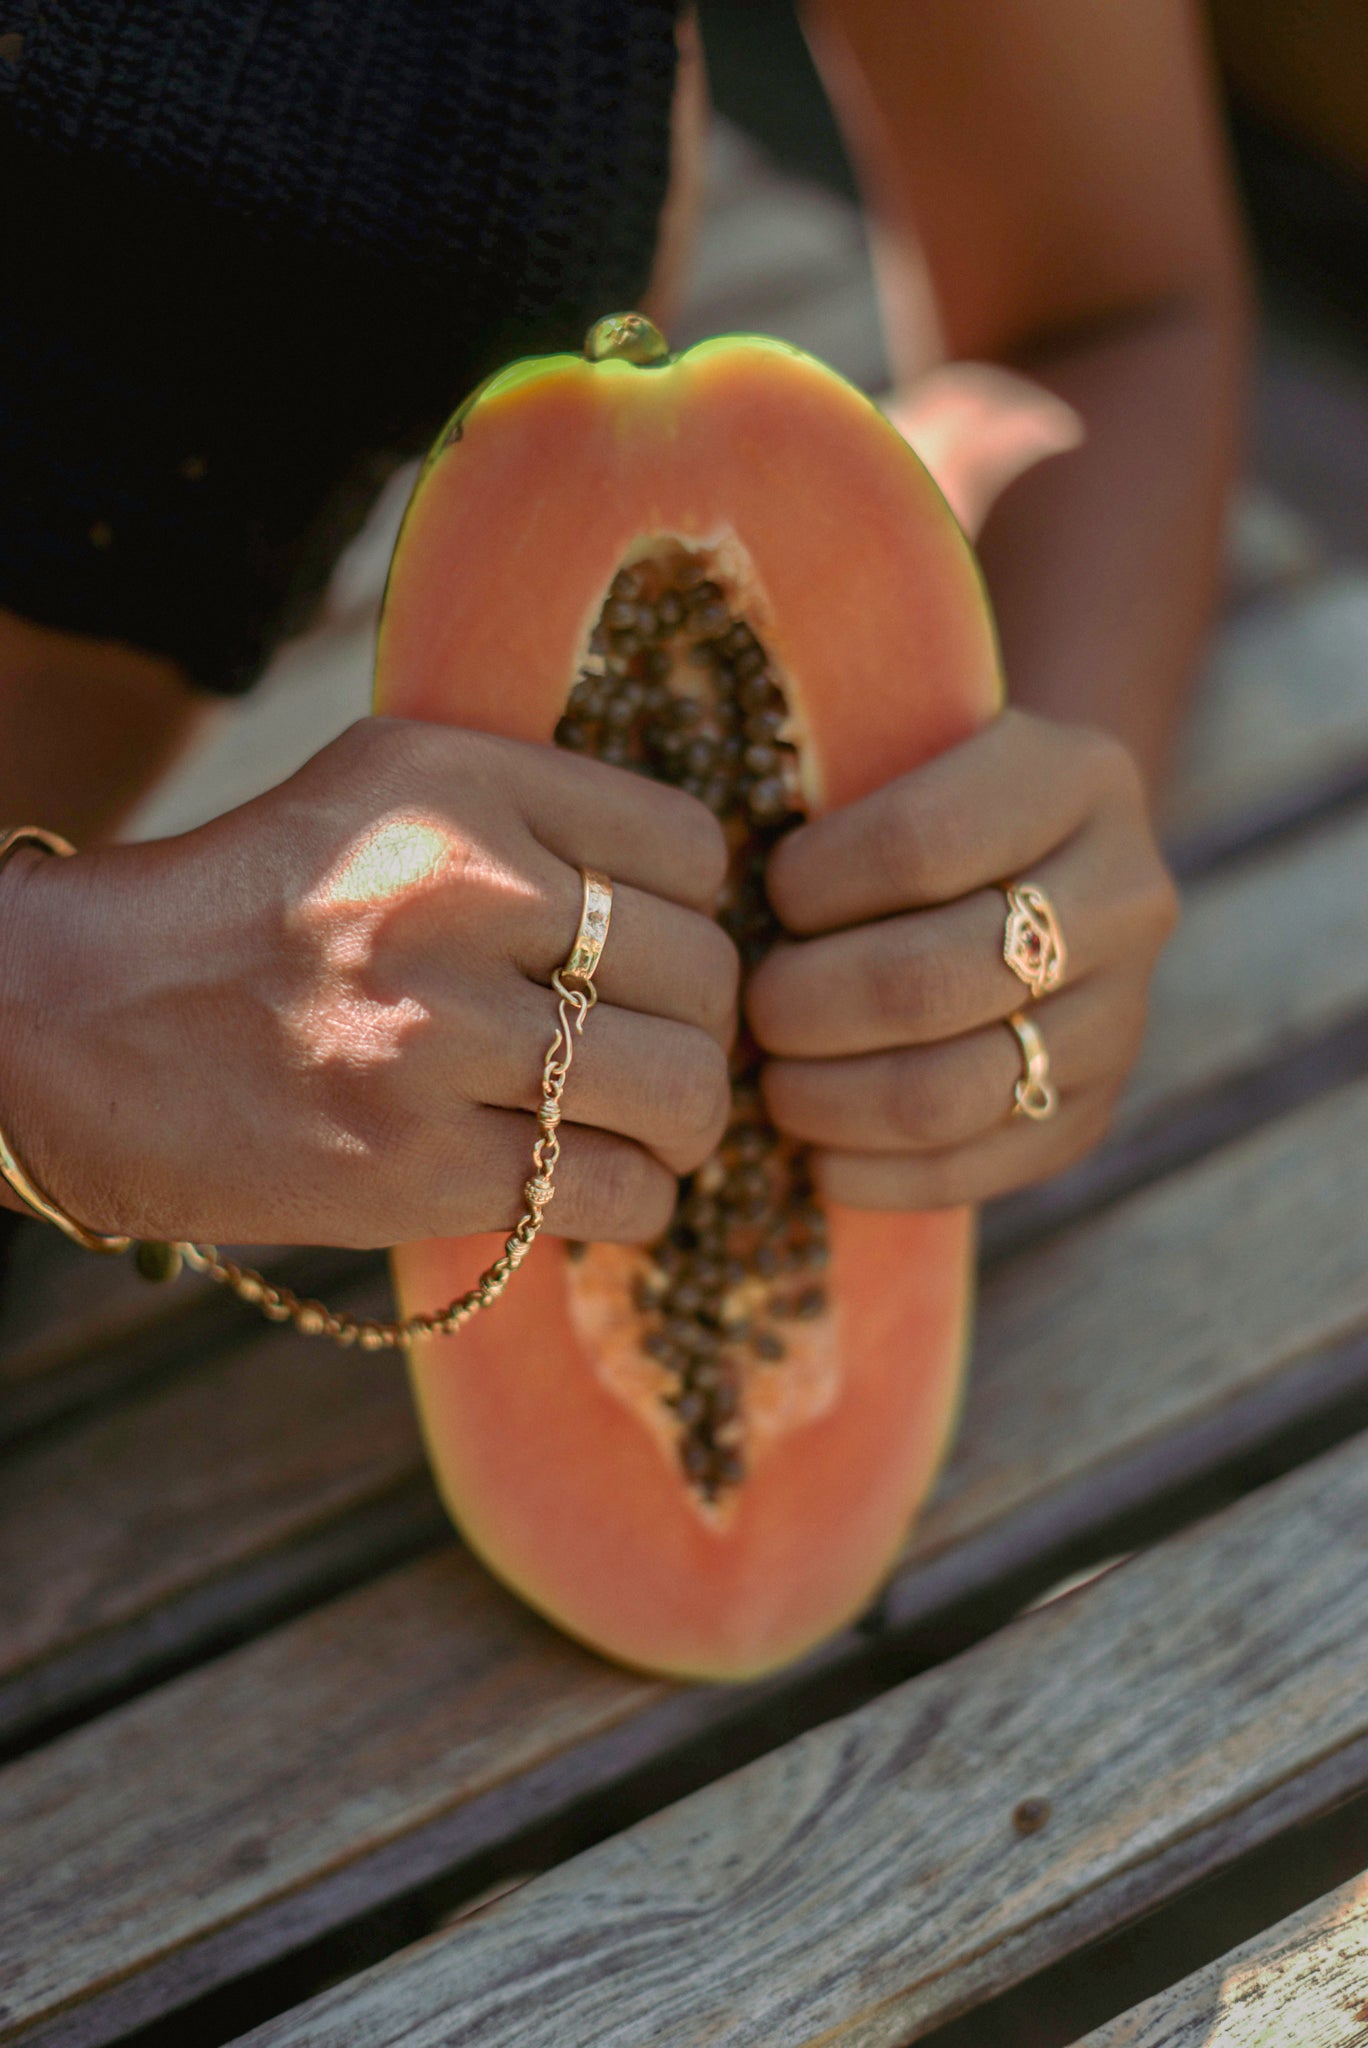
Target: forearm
point(86, 728)
point(1104, 563)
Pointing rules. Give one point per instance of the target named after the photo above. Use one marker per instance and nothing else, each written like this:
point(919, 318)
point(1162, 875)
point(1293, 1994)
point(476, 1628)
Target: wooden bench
point(266, 1725)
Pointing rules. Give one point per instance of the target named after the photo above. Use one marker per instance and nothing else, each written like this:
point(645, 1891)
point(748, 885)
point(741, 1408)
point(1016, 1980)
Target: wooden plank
point(1174, 1303)
point(1269, 953)
point(1259, 1004)
point(239, 1468)
point(890, 1870)
point(401, 1730)
point(1282, 714)
point(1272, 954)
point(76, 1329)
point(1304, 1983)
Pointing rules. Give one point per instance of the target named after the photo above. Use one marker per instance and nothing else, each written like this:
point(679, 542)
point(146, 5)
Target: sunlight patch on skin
point(341, 1027)
point(395, 863)
point(398, 856)
point(341, 1021)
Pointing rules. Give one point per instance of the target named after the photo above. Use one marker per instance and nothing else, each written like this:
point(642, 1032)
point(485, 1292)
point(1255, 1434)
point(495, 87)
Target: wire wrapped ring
point(1032, 943)
point(1034, 1095)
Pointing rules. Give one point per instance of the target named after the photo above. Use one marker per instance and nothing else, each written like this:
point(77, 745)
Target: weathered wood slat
point(221, 1471)
point(1303, 1984)
point(1270, 953)
point(875, 1877)
point(74, 1329)
point(1280, 723)
point(397, 1731)
point(1260, 1002)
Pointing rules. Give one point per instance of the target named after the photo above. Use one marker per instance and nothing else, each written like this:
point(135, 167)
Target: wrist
point(44, 1079)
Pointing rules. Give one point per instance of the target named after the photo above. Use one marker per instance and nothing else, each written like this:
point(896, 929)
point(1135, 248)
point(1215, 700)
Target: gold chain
point(314, 1319)
point(158, 1260)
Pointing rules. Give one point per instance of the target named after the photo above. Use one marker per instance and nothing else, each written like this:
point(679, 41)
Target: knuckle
point(1108, 763)
point(765, 999)
point(700, 1091)
point(911, 986)
point(912, 1107)
point(719, 978)
point(947, 1101)
point(1168, 904)
point(628, 1197)
point(696, 841)
point(1089, 1124)
point(911, 851)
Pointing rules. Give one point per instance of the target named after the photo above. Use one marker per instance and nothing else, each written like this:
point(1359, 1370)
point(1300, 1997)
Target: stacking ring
point(1034, 1095)
point(596, 911)
point(1032, 943)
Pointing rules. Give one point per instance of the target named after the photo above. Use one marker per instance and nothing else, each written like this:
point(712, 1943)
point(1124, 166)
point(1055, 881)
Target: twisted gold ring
point(595, 915)
point(1032, 943)
point(1034, 1095)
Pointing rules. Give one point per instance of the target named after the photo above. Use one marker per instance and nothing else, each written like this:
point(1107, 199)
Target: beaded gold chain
point(158, 1259)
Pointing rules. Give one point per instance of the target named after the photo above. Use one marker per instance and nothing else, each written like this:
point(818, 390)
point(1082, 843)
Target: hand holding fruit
point(322, 1018)
point(885, 1019)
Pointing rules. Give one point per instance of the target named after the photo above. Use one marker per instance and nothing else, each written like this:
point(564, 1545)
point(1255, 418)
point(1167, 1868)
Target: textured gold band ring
point(596, 913)
point(1034, 1095)
point(1032, 943)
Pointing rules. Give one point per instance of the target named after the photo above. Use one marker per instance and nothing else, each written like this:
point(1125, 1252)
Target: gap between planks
point(867, 1882)
point(216, 1500)
point(408, 1728)
point(1302, 1984)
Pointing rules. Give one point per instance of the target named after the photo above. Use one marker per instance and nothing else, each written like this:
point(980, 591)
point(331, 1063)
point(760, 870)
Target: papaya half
point(725, 569)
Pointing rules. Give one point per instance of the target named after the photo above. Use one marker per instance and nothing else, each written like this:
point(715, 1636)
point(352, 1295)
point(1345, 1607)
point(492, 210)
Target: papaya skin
point(834, 544)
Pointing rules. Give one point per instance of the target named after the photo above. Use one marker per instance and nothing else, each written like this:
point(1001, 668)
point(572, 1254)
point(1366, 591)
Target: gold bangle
point(157, 1260)
point(29, 1193)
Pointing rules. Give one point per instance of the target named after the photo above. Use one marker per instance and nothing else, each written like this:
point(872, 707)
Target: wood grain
point(1303, 1984)
point(1160, 1311)
point(1283, 704)
point(276, 1438)
point(364, 1726)
point(868, 1881)
point(1269, 953)
point(178, 1483)
point(75, 1330)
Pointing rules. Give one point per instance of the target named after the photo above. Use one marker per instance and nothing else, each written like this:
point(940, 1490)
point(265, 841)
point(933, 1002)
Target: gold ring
point(1032, 943)
point(1034, 1095)
point(581, 962)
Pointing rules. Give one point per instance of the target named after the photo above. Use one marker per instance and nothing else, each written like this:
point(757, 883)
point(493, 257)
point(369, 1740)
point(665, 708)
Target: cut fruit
point(726, 570)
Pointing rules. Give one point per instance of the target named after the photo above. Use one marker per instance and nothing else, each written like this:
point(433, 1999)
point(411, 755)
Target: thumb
point(977, 427)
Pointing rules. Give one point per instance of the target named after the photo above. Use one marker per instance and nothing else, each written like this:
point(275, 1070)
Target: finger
point(935, 974)
point(606, 1188)
point(647, 1078)
point(979, 813)
point(927, 1098)
point(634, 829)
point(659, 957)
point(1009, 1157)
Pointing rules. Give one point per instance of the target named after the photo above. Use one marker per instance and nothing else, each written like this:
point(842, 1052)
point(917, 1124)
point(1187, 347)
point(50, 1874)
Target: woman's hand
point(885, 1020)
point(323, 1017)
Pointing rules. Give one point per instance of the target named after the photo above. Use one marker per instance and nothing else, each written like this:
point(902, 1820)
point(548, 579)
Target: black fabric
point(254, 252)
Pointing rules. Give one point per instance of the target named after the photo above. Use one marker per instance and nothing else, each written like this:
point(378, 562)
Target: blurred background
point(1282, 715)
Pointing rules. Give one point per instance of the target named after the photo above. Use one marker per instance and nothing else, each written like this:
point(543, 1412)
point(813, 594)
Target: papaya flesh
point(727, 570)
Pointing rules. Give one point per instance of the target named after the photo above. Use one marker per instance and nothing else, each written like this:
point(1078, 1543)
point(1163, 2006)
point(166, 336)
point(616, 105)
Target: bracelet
point(157, 1259)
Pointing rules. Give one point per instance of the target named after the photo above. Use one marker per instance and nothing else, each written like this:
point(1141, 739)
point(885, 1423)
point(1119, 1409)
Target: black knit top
point(255, 250)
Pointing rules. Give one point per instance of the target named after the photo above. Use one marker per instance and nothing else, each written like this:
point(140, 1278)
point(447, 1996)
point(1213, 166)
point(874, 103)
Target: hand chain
point(314, 1319)
point(159, 1260)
